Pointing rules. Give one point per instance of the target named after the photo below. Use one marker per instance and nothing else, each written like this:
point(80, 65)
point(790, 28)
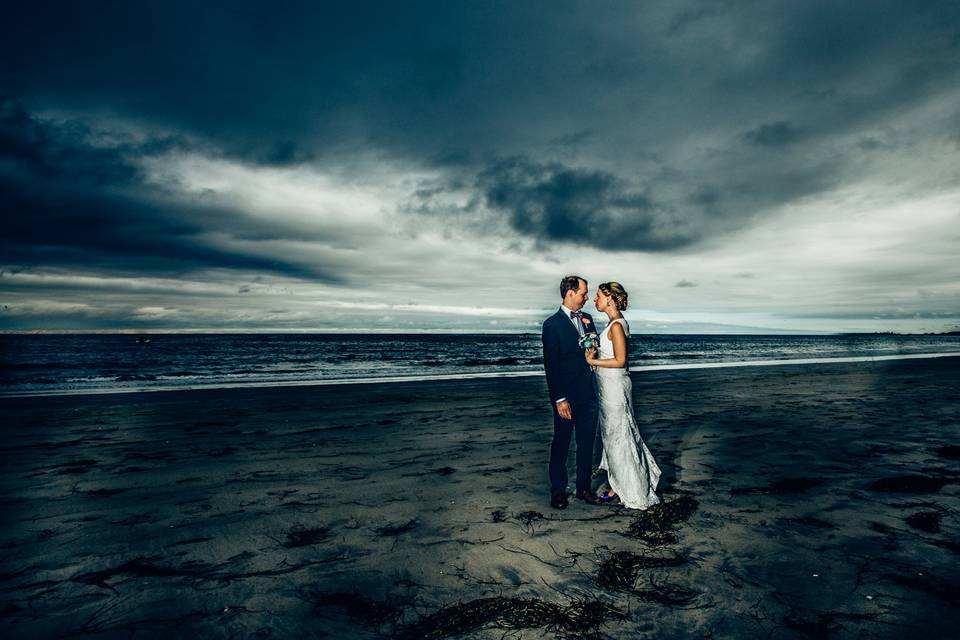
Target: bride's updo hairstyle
point(616, 291)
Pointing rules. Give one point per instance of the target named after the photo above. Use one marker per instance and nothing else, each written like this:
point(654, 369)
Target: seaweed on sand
point(619, 570)
point(582, 618)
point(528, 518)
point(655, 526)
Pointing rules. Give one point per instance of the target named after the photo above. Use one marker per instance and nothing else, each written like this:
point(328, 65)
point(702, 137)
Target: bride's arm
point(619, 359)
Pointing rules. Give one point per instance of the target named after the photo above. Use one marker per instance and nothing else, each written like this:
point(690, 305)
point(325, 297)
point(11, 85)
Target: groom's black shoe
point(587, 496)
point(558, 499)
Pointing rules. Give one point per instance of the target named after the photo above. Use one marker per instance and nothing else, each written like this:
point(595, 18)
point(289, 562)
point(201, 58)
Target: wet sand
point(800, 501)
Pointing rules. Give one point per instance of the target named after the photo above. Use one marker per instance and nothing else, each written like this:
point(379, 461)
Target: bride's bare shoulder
point(620, 325)
point(617, 326)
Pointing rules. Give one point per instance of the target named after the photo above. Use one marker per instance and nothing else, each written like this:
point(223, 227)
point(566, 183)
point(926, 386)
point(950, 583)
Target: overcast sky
point(737, 166)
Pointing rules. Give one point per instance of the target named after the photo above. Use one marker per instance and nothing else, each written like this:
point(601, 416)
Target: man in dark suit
point(572, 391)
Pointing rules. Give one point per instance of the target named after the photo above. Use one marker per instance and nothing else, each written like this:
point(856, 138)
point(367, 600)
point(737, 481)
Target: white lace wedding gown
point(631, 470)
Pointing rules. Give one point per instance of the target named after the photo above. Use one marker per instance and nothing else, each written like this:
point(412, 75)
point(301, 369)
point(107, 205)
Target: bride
point(631, 470)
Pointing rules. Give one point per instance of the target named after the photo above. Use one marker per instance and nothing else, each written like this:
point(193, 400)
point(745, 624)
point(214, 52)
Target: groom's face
point(580, 296)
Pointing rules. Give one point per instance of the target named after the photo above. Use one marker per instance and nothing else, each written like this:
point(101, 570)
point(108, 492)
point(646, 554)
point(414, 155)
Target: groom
point(572, 391)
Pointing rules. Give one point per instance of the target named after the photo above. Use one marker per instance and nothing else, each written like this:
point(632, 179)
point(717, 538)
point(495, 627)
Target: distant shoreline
point(462, 376)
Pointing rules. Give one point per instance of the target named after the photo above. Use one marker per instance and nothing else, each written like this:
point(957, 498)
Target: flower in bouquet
point(590, 340)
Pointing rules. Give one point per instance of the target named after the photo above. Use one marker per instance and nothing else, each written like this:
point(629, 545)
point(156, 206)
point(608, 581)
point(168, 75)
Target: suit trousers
point(584, 426)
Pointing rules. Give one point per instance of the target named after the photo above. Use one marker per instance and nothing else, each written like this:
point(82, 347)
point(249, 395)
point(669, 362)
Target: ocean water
point(81, 363)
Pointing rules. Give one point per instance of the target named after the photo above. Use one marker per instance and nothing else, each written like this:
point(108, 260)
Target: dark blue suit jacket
point(568, 374)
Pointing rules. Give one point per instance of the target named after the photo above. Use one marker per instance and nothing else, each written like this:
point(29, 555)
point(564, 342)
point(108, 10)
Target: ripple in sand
point(950, 452)
point(809, 521)
point(922, 580)
point(76, 467)
point(928, 521)
point(397, 529)
point(909, 484)
point(136, 568)
point(104, 493)
point(302, 537)
point(784, 486)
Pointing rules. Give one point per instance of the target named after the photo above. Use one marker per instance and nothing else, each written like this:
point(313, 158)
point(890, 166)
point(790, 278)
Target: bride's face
point(601, 301)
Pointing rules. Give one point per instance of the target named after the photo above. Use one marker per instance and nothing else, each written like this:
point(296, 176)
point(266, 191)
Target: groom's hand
point(563, 408)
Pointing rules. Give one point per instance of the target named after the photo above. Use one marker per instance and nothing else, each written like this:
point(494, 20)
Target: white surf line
point(774, 363)
point(465, 376)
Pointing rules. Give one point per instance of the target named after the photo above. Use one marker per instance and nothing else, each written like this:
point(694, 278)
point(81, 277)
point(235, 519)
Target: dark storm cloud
point(554, 202)
point(67, 202)
point(300, 81)
point(266, 83)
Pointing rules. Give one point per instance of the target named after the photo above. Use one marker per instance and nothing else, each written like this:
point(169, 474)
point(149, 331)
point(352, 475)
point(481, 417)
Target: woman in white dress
point(631, 470)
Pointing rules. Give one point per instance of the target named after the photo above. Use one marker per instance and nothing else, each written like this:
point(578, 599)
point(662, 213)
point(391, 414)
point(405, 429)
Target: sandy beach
point(801, 501)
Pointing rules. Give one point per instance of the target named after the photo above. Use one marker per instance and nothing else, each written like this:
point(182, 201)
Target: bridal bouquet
point(590, 340)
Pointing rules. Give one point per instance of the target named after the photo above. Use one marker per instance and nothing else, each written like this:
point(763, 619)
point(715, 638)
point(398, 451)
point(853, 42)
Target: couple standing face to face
point(578, 394)
point(575, 299)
